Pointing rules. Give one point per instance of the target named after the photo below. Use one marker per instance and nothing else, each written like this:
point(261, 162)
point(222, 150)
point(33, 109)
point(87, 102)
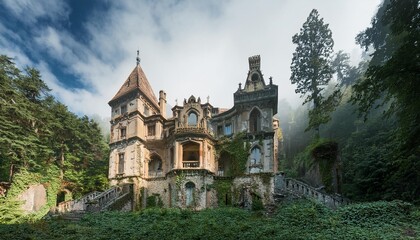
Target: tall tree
point(311, 68)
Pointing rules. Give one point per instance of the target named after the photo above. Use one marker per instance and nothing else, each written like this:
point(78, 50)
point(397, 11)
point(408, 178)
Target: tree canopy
point(37, 133)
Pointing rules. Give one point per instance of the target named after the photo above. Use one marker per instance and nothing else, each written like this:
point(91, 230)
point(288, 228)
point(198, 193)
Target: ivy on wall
point(10, 207)
point(238, 150)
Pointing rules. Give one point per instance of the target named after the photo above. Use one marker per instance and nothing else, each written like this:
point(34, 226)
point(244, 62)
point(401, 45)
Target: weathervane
point(138, 57)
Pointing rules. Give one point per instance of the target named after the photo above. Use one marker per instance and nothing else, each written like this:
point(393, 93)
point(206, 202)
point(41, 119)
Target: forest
point(41, 141)
point(371, 110)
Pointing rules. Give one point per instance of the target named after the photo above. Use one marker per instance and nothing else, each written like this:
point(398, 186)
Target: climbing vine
point(223, 188)
point(154, 201)
point(10, 207)
point(238, 150)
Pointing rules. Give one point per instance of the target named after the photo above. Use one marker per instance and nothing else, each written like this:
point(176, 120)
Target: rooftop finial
point(138, 57)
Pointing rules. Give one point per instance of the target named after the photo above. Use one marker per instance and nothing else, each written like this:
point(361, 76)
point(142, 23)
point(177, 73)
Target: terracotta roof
point(137, 80)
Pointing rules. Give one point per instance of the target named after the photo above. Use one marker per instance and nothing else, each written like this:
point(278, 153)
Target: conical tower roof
point(137, 81)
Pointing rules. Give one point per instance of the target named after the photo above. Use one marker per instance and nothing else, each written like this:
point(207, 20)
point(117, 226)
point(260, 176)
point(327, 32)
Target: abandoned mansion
point(190, 159)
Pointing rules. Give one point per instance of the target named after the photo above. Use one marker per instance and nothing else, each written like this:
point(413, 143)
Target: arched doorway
point(189, 194)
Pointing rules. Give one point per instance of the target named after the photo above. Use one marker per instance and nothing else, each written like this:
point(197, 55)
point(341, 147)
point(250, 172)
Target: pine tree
point(311, 68)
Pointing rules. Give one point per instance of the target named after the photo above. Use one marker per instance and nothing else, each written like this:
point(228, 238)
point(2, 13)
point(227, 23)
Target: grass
point(296, 220)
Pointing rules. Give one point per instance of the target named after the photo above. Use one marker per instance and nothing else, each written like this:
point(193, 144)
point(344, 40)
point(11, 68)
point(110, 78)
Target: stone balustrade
point(75, 205)
point(93, 202)
point(304, 189)
point(191, 164)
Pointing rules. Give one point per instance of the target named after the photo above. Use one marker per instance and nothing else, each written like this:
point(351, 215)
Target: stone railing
point(332, 201)
point(289, 185)
point(190, 164)
point(75, 205)
point(94, 202)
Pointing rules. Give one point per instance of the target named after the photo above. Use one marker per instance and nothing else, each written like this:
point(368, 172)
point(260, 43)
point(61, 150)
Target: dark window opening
point(123, 109)
point(121, 163)
point(151, 130)
point(123, 132)
point(255, 121)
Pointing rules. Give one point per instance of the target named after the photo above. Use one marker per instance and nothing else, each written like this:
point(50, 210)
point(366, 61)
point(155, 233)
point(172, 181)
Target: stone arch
point(255, 117)
point(63, 195)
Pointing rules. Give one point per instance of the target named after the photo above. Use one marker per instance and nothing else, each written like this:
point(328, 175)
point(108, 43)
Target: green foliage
point(39, 136)
point(393, 75)
point(224, 192)
point(154, 201)
point(11, 207)
point(257, 203)
point(296, 220)
point(238, 150)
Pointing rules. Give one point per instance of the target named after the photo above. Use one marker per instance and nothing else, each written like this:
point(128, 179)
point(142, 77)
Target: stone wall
point(35, 197)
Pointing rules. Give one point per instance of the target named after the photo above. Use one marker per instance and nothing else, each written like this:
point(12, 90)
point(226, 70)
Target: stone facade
point(173, 161)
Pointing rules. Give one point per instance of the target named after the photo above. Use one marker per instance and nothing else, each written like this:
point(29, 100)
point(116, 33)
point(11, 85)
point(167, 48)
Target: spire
point(138, 57)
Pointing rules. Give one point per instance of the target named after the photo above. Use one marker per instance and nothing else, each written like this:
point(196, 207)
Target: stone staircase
point(115, 198)
point(289, 188)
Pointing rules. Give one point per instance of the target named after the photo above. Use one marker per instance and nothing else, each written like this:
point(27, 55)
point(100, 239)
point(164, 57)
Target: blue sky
point(86, 49)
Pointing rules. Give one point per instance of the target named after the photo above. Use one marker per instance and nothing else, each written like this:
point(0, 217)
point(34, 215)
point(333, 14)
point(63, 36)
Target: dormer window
point(192, 119)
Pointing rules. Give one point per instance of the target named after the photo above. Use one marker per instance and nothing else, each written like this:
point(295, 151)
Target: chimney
point(162, 103)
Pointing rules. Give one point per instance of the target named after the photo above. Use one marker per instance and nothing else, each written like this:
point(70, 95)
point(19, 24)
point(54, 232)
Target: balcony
point(190, 164)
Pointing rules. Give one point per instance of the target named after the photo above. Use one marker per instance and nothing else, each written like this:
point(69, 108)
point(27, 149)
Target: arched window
point(189, 192)
point(255, 160)
point(192, 119)
point(155, 166)
point(255, 121)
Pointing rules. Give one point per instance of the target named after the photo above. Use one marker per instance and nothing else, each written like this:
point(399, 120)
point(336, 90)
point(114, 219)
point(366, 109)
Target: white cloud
point(29, 11)
point(190, 47)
